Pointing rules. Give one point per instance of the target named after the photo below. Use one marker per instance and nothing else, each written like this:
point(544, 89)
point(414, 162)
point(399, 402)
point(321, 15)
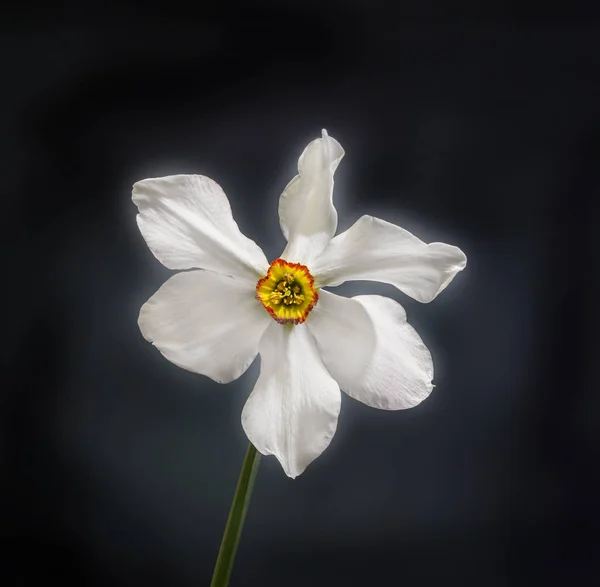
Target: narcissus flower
point(233, 304)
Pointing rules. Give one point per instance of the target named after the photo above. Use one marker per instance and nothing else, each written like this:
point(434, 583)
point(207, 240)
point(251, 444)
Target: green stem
point(237, 515)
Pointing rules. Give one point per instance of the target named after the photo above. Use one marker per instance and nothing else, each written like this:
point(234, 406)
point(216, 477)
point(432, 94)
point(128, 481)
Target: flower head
point(233, 304)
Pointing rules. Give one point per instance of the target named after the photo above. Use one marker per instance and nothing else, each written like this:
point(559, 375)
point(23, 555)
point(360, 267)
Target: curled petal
point(307, 215)
point(293, 410)
point(206, 323)
point(187, 222)
point(400, 369)
point(376, 250)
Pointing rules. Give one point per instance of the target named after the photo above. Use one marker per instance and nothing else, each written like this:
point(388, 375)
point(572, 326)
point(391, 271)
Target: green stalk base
point(237, 515)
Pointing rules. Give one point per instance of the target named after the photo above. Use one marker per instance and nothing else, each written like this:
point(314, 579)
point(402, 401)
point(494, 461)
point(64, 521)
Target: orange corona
point(287, 292)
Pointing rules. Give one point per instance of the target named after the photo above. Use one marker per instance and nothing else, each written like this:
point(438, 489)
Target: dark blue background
point(480, 130)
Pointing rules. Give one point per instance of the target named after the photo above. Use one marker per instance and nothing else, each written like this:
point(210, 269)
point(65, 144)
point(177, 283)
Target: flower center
point(287, 292)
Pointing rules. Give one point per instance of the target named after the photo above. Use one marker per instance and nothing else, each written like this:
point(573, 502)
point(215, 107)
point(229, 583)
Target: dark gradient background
point(117, 468)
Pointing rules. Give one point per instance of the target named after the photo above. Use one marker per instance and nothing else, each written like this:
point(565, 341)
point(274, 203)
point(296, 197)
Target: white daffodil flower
point(233, 304)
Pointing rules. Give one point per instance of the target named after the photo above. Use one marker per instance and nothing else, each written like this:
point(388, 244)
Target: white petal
point(293, 410)
point(344, 334)
point(206, 323)
point(400, 370)
point(377, 250)
point(307, 216)
point(187, 222)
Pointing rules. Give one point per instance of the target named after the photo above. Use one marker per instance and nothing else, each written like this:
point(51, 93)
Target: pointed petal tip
point(266, 452)
point(292, 474)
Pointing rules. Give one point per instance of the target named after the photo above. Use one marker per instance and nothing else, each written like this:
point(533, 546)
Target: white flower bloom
point(233, 304)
